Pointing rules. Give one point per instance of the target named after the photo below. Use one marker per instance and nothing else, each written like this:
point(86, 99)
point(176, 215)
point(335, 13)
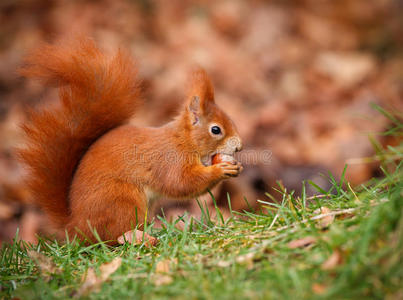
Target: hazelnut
point(219, 158)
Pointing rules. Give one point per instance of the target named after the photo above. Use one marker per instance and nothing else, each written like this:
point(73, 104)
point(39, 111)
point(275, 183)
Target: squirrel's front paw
point(229, 169)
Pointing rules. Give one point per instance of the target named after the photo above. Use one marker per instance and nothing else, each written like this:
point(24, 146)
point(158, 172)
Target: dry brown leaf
point(246, 259)
point(92, 282)
point(164, 266)
point(45, 264)
point(224, 263)
point(6, 211)
point(162, 279)
point(333, 261)
point(108, 269)
point(135, 237)
point(318, 288)
point(347, 69)
point(301, 243)
point(326, 220)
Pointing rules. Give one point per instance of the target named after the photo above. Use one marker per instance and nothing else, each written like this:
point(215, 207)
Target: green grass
point(247, 256)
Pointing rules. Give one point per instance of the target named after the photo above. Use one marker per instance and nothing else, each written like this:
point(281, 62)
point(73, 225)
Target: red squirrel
point(91, 170)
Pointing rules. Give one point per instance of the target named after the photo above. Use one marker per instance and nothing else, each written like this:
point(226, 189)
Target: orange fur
point(89, 170)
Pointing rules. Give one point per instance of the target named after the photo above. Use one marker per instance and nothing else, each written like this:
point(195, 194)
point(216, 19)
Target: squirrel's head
point(209, 128)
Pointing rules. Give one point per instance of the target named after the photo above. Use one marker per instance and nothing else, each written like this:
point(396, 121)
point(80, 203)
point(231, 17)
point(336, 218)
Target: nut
point(219, 158)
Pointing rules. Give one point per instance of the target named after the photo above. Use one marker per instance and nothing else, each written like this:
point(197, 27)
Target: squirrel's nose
point(234, 144)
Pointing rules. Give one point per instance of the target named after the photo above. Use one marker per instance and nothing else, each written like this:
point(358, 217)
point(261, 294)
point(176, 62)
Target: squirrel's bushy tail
point(97, 93)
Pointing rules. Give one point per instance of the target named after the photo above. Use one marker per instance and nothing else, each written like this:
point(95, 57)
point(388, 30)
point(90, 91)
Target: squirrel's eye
point(215, 130)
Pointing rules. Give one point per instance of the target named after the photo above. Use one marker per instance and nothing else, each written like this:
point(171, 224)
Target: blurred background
point(297, 77)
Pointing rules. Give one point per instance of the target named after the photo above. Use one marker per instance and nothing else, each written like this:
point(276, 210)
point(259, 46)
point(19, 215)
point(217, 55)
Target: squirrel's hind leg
point(112, 210)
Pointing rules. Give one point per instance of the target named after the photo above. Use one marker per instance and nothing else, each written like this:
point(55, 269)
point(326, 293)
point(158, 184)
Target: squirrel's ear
point(201, 92)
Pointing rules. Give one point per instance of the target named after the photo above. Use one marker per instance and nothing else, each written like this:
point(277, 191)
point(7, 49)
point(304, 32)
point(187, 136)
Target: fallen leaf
point(318, 288)
point(301, 243)
point(6, 211)
point(246, 259)
point(327, 219)
point(92, 282)
point(135, 237)
point(224, 263)
point(347, 69)
point(108, 269)
point(333, 261)
point(163, 266)
point(45, 264)
point(162, 279)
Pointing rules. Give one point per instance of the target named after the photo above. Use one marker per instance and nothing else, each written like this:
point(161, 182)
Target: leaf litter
point(45, 264)
point(92, 282)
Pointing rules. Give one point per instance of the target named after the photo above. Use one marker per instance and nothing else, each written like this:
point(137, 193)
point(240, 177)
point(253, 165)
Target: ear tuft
point(194, 109)
point(194, 105)
point(201, 87)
